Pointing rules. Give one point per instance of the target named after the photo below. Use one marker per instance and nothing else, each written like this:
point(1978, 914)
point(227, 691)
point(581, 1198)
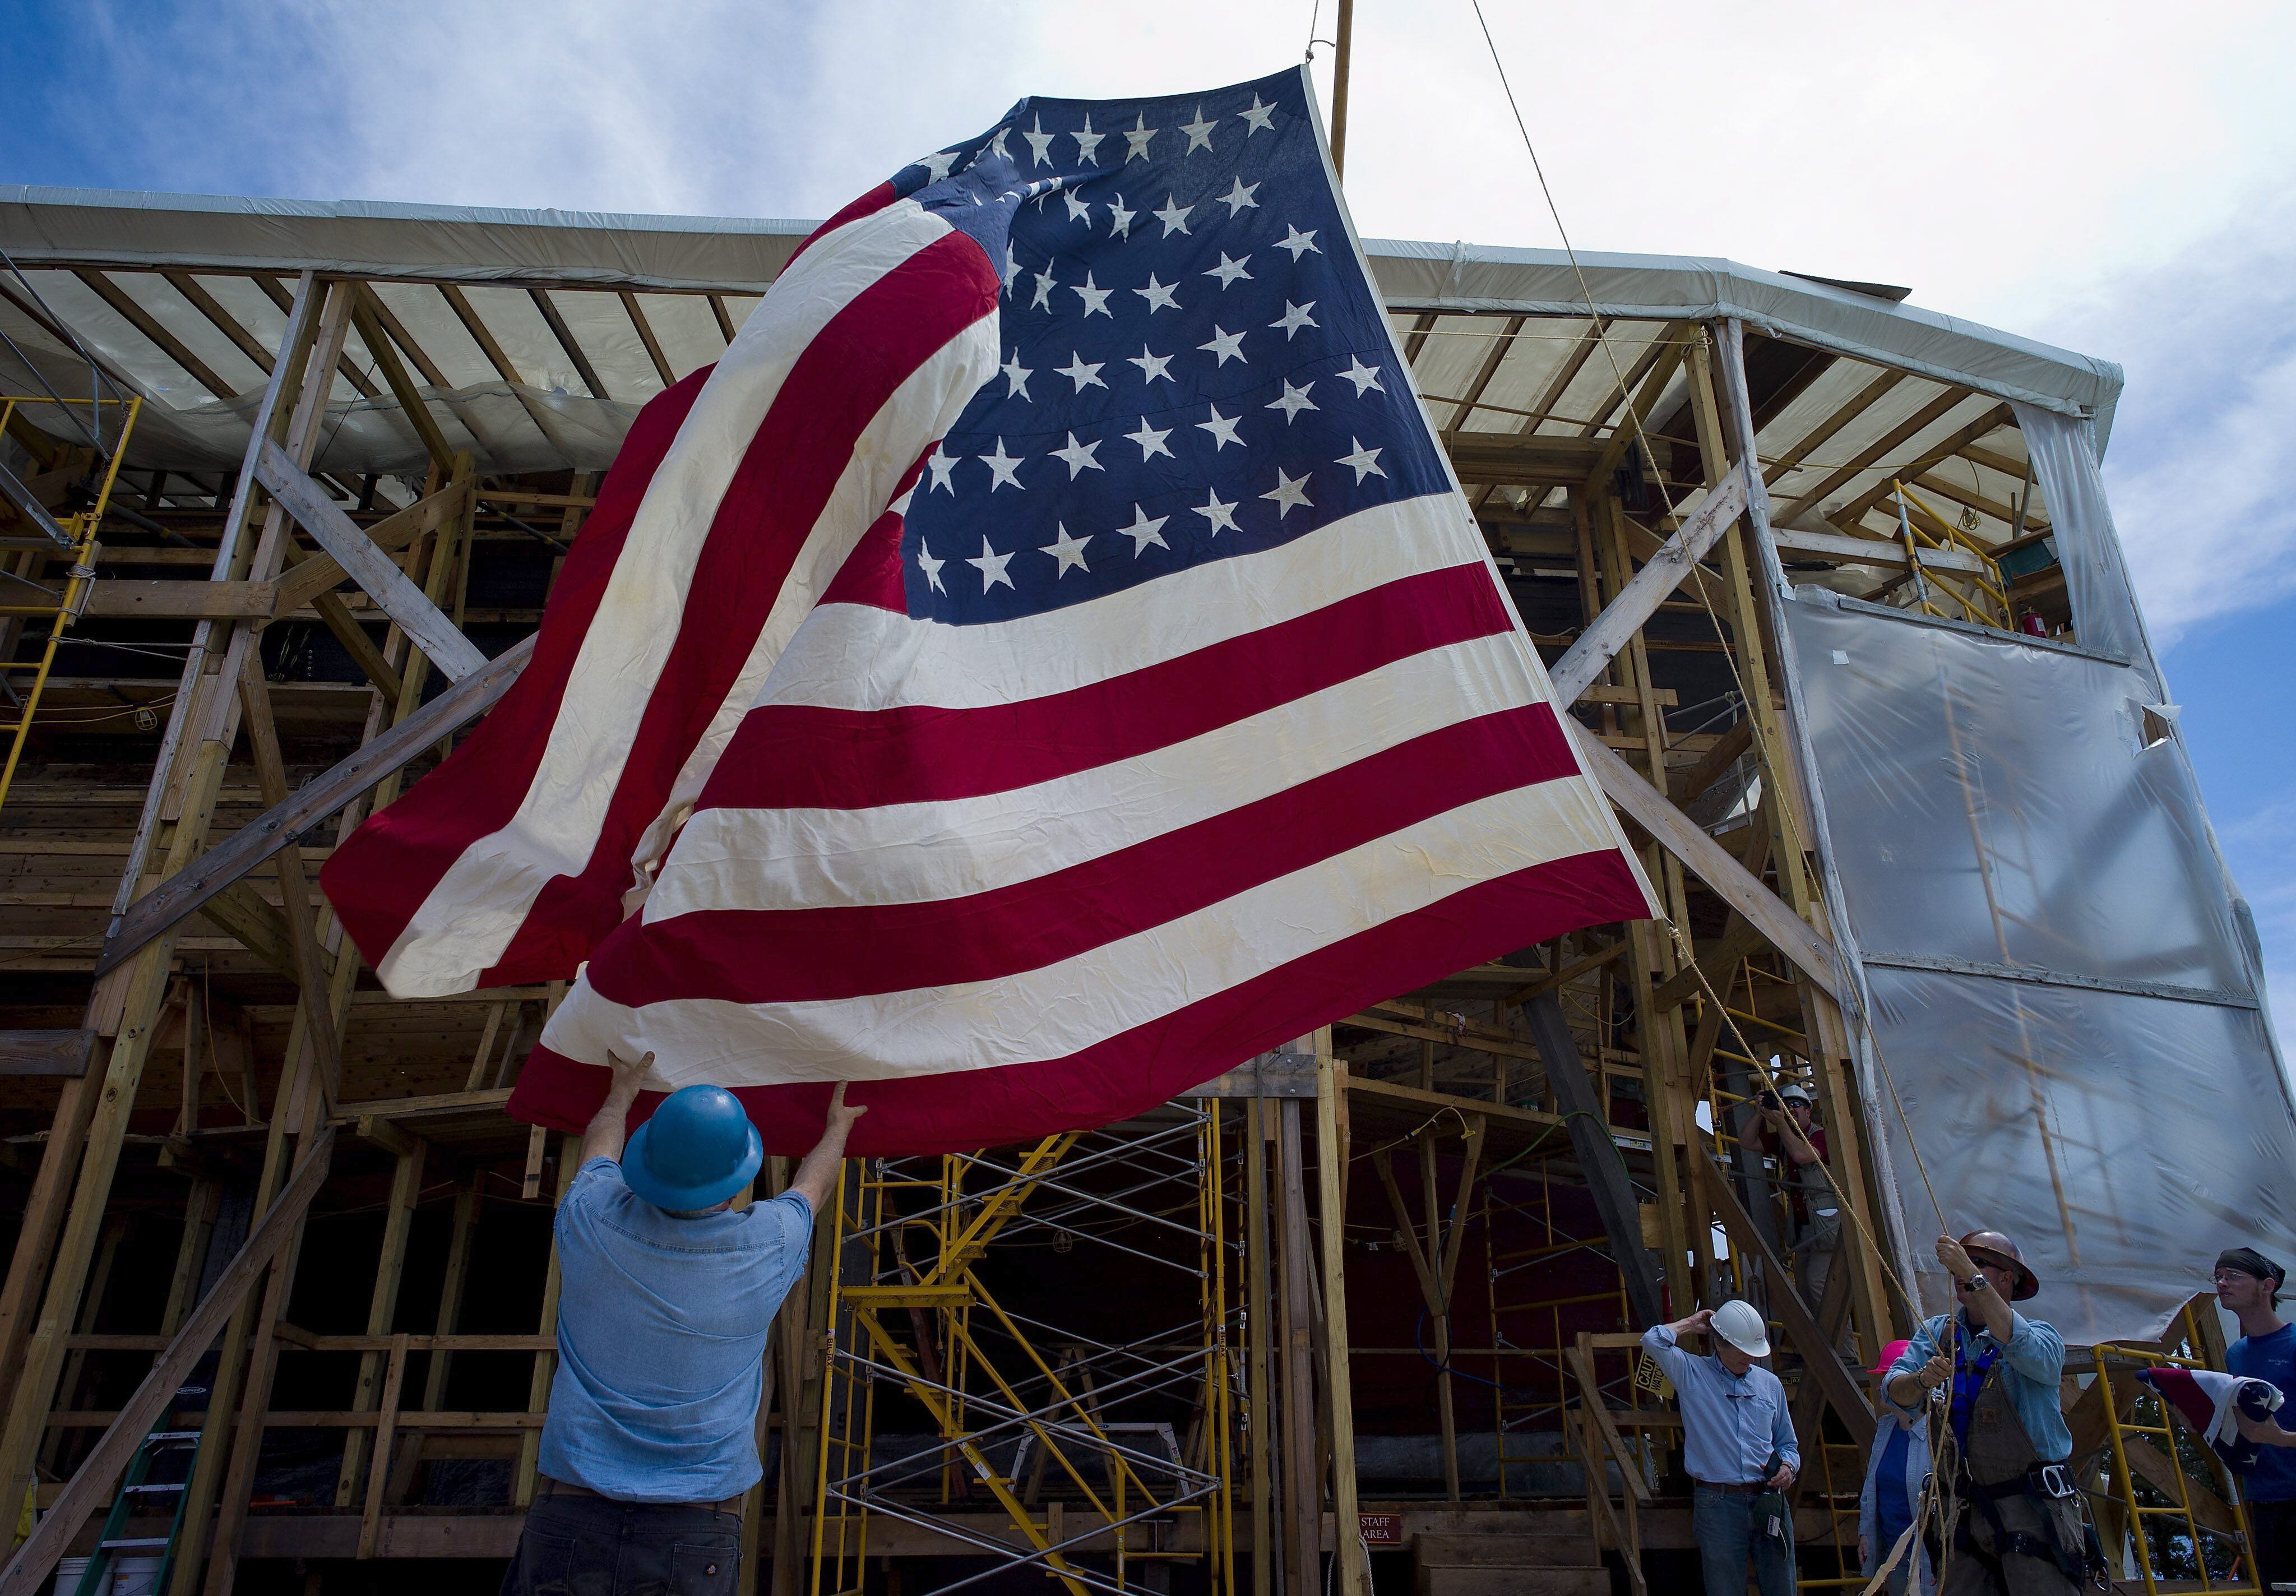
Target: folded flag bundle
point(2212, 1404)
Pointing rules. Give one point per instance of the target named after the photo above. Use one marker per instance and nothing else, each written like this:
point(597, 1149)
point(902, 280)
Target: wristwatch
point(1975, 1283)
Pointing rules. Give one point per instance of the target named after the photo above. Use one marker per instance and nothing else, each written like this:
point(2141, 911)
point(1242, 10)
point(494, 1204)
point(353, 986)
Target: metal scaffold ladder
point(34, 614)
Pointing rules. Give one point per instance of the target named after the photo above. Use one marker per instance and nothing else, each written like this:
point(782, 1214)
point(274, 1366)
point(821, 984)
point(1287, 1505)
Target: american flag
point(1045, 663)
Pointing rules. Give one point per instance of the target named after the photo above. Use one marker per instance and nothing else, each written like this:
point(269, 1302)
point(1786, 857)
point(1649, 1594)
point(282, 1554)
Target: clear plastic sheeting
point(2007, 802)
point(2105, 617)
point(2067, 1012)
point(2121, 1140)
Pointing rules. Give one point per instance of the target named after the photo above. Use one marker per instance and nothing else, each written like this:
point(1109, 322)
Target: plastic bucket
point(68, 1575)
point(136, 1576)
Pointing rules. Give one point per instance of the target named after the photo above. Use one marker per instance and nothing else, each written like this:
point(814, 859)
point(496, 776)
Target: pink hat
point(1889, 1356)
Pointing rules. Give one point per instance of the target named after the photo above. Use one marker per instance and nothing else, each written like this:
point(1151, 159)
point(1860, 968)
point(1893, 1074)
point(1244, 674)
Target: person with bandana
point(2248, 1288)
point(2019, 1532)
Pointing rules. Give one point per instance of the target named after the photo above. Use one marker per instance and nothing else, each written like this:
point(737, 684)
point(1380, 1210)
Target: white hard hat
point(1739, 1323)
point(1793, 1089)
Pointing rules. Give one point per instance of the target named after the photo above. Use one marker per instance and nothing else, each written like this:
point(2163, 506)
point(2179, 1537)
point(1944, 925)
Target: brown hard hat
point(1992, 1247)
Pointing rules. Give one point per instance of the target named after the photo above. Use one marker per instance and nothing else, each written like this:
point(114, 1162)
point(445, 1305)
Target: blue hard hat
point(697, 1150)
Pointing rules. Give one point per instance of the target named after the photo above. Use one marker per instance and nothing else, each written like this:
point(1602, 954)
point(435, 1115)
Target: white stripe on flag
point(1070, 1005)
point(859, 657)
point(789, 859)
point(479, 905)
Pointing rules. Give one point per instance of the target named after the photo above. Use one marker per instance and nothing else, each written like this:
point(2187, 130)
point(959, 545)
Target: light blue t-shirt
point(661, 1340)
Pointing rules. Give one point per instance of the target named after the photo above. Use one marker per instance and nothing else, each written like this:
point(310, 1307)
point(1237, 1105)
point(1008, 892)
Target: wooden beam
point(167, 904)
point(724, 318)
point(1710, 861)
point(45, 1052)
point(1865, 399)
point(1339, 1395)
point(319, 571)
point(2000, 416)
point(92, 1482)
point(1626, 614)
point(277, 292)
point(2006, 515)
point(1870, 551)
point(182, 600)
point(383, 581)
point(1913, 427)
point(221, 319)
point(1585, 1117)
point(167, 342)
point(1822, 1361)
point(411, 402)
point(645, 336)
point(567, 341)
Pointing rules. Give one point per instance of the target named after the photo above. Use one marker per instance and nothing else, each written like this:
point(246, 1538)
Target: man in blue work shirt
point(2248, 1288)
point(1738, 1444)
point(2020, 1532)
point(666, 1298)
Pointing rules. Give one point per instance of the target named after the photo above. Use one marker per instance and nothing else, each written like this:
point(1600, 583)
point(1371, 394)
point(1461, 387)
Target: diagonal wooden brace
point(182, 894)
point(367, 565)
point(1638, 601)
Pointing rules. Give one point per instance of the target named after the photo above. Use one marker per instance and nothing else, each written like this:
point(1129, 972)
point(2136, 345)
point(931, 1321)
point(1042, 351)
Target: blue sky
point(2109, 177)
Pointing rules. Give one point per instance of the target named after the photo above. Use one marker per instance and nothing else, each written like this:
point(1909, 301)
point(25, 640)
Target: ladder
point(34, 614)
point(136, 1489)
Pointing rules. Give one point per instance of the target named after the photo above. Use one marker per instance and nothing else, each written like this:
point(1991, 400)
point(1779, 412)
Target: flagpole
point(1340, 88)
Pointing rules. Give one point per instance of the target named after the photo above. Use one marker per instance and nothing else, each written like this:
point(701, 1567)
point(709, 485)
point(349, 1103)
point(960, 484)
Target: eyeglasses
point(2226, 1277)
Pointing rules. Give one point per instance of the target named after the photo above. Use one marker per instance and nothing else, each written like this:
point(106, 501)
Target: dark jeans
point(1723, 1524)
point(2274, 1524)
point(588, 1546)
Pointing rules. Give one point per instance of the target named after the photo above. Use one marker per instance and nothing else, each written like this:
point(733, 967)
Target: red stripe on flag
point(868, 204)
point(807, 756)
point(872, 574)
point(834, 390)
point(381, 873)
point(816, 955)
point(1144, 1066)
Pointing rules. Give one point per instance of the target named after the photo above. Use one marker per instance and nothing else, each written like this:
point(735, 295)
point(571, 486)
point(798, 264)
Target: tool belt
point(2065, 1539)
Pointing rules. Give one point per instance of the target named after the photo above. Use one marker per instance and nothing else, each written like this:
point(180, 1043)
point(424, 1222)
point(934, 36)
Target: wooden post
point(1302, 1492)
point(1258, 1130)
point(1338, 1387)
point(545, 1364)
point(1341, 54)
point(382, 1305)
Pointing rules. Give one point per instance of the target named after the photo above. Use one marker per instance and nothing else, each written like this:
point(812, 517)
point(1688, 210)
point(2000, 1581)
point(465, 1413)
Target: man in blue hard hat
point(665, 1295)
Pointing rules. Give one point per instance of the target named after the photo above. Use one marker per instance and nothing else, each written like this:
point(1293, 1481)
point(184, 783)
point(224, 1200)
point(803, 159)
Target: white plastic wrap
point(2062, 995)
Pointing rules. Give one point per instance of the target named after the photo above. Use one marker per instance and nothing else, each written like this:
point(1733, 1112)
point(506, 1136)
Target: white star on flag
point(1363, 376)
point(1288, 491)
point(1044, 287)
point(1095, 297)
point(1145, 528)
point(1018, 375)
point(1222, 428)
point(1294, 318)
point(1069, 551)
point(1255, 117)
point(1152, 366)
point(930, 567)
point(1225, 344)
point(1078, 210)
point(1119, 219)
point(1078, 456)
point(1174, 216)
point(1199, 132)
point(1137, 136)
point(1294, 399)
point(1239, 198)
point(1151, 440)
point(1088, 142)
point(937, 165)
point(1366, 461)
point(1085, 373)
point(1003, 467)
point(1217, 514)
point(991, 566)
point(1298, 242)
point(1040, 143)
point(1158, 295)
point(941, 465)
point(1228, 271)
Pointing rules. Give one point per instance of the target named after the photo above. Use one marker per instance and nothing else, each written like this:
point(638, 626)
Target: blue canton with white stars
point(1196, 364)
